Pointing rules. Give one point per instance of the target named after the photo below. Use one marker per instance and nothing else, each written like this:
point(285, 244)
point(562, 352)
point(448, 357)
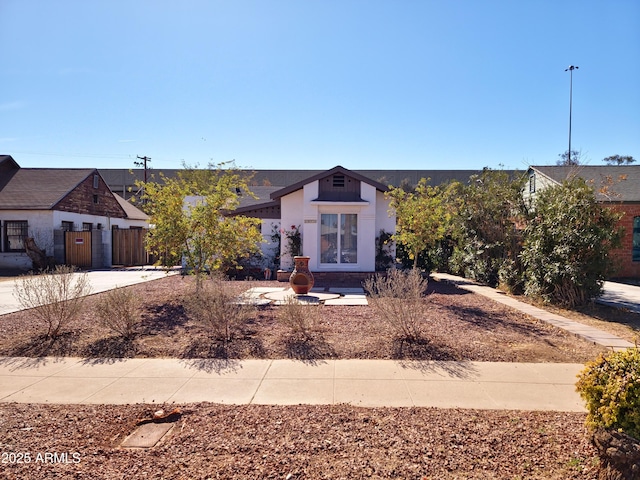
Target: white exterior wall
point(299, 208)
point(384, 221)
point(291, 208)
point(268, 227)
point(106, 222)
point(42, 223)
point(40, 228)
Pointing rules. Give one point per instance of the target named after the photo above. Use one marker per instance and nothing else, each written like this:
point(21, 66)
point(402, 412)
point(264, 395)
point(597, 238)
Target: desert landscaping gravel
point(289, 442)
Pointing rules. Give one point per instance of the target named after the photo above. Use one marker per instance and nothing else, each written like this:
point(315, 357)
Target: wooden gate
point(77, 247)
point(128, 247)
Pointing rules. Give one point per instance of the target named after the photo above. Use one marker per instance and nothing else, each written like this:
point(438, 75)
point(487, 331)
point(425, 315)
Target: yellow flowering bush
point(611, 387)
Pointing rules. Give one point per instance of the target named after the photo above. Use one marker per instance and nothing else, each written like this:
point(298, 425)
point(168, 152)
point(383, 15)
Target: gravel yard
point(458, 326)
point(339, 441)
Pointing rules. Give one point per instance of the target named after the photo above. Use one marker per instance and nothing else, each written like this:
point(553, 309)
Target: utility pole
point(570, 69)
point(143, 164)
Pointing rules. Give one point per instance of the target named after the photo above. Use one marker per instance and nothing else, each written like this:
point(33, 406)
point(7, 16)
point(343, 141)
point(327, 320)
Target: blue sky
point(310, 84)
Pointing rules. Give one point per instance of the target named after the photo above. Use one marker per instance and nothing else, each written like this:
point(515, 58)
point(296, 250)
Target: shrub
point(55, 297)
point(217, 309)
point(566, 252)
point(300, 317)
point(397, 297)
point(487, 233)
point(119, 310)
point(611, 387)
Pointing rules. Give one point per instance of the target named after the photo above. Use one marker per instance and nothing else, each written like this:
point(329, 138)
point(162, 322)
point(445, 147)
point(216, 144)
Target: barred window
point(15, 233)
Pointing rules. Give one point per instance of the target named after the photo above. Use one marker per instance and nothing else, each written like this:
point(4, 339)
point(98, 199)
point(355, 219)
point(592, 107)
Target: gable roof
point(44, 188)
point(40, 188)
point(131, 211)
point(624, 179)
point(335, 170)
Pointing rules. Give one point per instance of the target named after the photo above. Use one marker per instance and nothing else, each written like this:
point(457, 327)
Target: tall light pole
point(570, 70)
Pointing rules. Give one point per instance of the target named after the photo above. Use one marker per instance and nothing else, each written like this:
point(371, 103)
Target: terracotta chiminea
point(301, 279)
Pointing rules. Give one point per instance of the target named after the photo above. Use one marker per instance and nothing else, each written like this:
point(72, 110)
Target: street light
point(570, 70)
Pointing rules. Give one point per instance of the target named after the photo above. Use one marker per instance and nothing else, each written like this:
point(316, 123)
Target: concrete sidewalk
point(591, 334)
point(367, 383)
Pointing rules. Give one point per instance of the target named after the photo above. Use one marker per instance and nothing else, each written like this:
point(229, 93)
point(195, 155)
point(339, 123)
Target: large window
point(636, 239)
point(338, 238)
point(14, 234)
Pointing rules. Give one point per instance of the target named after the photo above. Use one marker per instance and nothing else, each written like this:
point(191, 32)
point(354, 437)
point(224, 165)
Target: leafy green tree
point(422, 218)
point(619, 160)
point(488, 228)
point(568, 240)
point(192, 218)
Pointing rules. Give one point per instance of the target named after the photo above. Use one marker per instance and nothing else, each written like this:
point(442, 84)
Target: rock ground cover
point(339, 441)
point(311, 442)
point(459, 326)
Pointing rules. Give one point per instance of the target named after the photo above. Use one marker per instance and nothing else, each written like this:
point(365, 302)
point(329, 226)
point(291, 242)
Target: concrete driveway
point(621, 295)
point(100, 280)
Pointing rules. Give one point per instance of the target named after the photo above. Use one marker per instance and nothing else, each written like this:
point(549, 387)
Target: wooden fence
point(128, 247)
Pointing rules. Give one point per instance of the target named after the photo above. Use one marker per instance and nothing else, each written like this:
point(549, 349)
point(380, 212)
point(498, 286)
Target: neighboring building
point(71, 214)
point(617, 187)
point(122, 181)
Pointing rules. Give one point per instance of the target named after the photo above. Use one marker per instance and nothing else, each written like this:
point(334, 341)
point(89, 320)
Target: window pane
point(16, 233)
point(636, 239)
point(349, 238)
point(328, 238)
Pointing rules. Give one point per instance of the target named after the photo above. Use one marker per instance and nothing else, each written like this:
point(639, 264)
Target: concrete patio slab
point(347, 290)
point(311, 297)
point(349, 300)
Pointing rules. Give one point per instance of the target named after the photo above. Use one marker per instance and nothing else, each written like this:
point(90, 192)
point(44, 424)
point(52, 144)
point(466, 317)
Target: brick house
point(617, 187)
point(70, 213)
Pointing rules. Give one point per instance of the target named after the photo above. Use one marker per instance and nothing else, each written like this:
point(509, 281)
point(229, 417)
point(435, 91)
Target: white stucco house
point(71, 213)
point(339, 214)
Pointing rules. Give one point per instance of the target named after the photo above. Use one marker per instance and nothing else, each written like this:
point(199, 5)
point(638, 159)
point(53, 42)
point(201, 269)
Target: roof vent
point(338, 181)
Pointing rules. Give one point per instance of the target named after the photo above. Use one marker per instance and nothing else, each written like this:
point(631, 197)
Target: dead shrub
point(302, 318)
point(54, 297)
point(397, 298)
point(119, 311)
point(217, 309)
